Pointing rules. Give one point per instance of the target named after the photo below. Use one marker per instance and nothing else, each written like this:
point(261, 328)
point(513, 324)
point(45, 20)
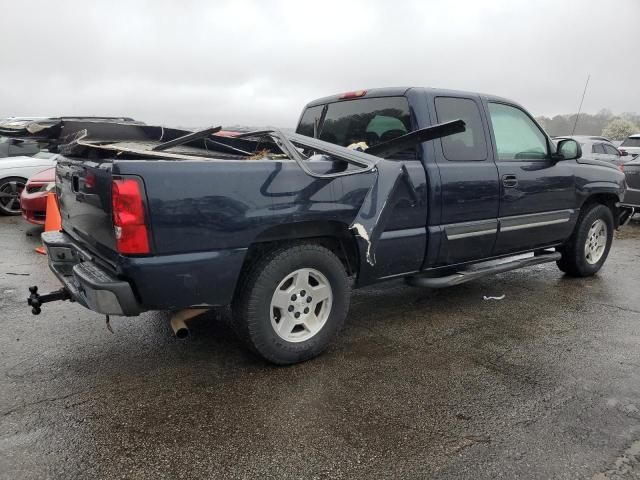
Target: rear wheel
point(10, 190)
point(291, 303)
point(588, 248)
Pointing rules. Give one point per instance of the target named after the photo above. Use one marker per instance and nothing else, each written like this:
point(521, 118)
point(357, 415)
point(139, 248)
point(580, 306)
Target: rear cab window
point(470, 145)
point(365, 122)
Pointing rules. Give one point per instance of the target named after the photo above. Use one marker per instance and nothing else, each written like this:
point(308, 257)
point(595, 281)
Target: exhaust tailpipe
point(178, 320)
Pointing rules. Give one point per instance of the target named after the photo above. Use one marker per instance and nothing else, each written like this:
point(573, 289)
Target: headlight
point(48, 187)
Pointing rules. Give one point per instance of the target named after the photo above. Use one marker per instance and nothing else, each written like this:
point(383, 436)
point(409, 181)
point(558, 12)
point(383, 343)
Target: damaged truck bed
point(415, 183)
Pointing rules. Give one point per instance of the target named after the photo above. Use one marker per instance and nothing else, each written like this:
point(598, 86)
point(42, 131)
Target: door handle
point(509, 181)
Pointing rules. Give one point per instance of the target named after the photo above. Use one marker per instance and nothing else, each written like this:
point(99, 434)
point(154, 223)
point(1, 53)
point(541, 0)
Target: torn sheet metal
point(378, 204)
point(190, 137)
point(153, 142)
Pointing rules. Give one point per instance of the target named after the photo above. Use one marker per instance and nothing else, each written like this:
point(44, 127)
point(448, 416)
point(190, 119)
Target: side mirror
point(623, 153)
point(568, 149)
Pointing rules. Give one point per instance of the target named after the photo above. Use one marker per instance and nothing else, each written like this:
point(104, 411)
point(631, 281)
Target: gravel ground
point(420, 384)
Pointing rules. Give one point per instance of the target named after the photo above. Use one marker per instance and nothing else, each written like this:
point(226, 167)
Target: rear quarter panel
point(197, 206)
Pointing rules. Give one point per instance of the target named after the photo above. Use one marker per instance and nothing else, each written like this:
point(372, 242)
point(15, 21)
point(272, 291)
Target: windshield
point(631, 142)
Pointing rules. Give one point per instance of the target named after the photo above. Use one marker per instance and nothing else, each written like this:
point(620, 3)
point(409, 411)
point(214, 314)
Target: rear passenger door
point(537, 193)
point(469, 178)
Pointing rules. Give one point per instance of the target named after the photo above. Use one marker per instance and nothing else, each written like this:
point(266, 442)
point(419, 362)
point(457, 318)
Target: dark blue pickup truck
point(438, 187)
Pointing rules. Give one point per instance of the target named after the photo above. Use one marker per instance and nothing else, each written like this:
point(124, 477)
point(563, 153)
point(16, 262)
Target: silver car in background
point(14, 172)
point(598, 148)
point(631, 145)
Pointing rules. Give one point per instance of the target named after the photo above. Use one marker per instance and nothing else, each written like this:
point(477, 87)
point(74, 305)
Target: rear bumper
point(87, 283)
point(163, 282)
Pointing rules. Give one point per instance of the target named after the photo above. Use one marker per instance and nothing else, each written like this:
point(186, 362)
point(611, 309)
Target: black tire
point(574, 261)
point(252, 312)
point(10, 189)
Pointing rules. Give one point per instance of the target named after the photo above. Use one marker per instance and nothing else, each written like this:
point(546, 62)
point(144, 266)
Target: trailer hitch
point(36, 300)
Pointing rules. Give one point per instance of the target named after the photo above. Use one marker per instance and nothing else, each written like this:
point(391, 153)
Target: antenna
point(580, 107)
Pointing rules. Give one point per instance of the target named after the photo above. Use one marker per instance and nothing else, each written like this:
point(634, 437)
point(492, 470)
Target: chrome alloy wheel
point(301, 305)
point(596, 242)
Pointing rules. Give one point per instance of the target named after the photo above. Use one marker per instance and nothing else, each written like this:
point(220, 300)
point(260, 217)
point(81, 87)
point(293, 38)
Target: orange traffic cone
point(52, 218)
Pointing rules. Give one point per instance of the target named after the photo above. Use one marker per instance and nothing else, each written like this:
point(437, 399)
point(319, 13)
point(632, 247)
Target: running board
point(484, 271)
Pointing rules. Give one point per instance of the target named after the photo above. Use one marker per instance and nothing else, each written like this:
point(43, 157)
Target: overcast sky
point(257, 63)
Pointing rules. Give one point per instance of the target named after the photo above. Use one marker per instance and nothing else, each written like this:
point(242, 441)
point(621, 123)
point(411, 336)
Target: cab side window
point(597, 148)
point(517, 136)
point(470, 144)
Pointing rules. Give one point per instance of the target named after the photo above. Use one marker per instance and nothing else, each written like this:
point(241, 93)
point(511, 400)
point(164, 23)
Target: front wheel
point(10, 190)
point(588, 248)
point(291, 303)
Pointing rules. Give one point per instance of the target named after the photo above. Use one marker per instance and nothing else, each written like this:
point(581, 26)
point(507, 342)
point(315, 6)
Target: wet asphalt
point(421, 384)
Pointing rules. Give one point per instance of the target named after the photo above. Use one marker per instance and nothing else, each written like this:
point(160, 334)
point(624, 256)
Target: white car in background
point(14, 172)
point(631, 145)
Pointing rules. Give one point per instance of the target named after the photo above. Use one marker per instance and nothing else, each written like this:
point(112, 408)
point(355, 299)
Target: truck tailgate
point(84, 195)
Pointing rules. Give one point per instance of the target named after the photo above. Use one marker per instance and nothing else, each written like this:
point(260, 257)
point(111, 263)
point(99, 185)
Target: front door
point(537, 193)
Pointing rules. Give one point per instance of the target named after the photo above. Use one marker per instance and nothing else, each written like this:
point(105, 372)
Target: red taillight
point(128, 217)
point(356, 94)
point(621, 168)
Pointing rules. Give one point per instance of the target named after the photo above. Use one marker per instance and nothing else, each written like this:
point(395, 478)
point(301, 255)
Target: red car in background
point(33, 200)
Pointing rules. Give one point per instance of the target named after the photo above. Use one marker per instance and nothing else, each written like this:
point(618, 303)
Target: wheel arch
point(333, 235)
point(607, 198)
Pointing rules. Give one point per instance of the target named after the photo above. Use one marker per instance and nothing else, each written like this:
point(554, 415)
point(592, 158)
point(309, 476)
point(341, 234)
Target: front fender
point(603, 187)
point(599, 180)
